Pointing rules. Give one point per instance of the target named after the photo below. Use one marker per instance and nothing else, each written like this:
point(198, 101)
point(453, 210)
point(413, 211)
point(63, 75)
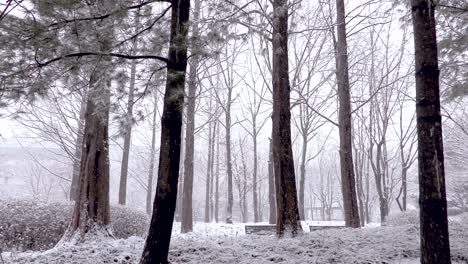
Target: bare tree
point(228, 73)
point(344, 117)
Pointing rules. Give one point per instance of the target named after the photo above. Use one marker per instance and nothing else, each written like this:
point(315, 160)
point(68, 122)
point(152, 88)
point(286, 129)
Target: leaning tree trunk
point(286, 196)
point(432, 198)
point(348, 186)
point(187, 212)
point(156, 247)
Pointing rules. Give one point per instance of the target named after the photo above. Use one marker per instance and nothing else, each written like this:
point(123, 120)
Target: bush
point(33, 225)
point(410, 217)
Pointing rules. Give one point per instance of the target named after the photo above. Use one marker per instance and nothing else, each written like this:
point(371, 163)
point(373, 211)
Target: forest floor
point(222, 243)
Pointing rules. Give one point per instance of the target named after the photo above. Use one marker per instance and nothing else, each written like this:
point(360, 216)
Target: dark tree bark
point(348, 186)
point(432, 198)
point(286, 195)
point(156, 247)
point(91, 214)
point(187, 211)
point(75, 188)
point(271, 186)
point(149, 191)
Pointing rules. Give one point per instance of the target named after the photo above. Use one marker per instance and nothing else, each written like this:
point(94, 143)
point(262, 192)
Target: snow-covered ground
point(222, 243)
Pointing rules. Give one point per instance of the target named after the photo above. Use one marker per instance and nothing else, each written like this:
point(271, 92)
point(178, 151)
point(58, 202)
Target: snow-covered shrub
point(127, 222)
point(410, 217)
point(28, 224)
point(35, 225)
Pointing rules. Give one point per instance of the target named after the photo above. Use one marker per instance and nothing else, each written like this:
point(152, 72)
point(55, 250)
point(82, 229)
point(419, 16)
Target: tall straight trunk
point(360, 191)
point(260, 202)
point(367, 200)
point(255, 171)
point(208, 176)
point(127, 136)
point(230, 194)
point(243, 186)
point(180, 184)
point(405, 187)
point(156, 247)
point(286, 196)
point(187, 211)
point(75, 188)
point(302, 176)
point(348, 186)
point(432, 197)
point(211, 168)
point(271, 186)
point(128, 121)
point(217, 177)
point(149, 187)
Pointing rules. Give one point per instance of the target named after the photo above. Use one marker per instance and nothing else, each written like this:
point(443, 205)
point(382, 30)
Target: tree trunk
point(127, 136)
point(156, 247)
point(180, 184)
point(187, 212)
point(348, 186)
point(211, 168)
point(302, 177)
point(286, 195)
point(217, 177)
point(128, 121)
point(75, 188)
point(91, 214)
point(243, 186)
point(208, 176)
point(254, 180)
point(149, 190)
point(228, 158)
point(432, 198)
point(271, 186)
